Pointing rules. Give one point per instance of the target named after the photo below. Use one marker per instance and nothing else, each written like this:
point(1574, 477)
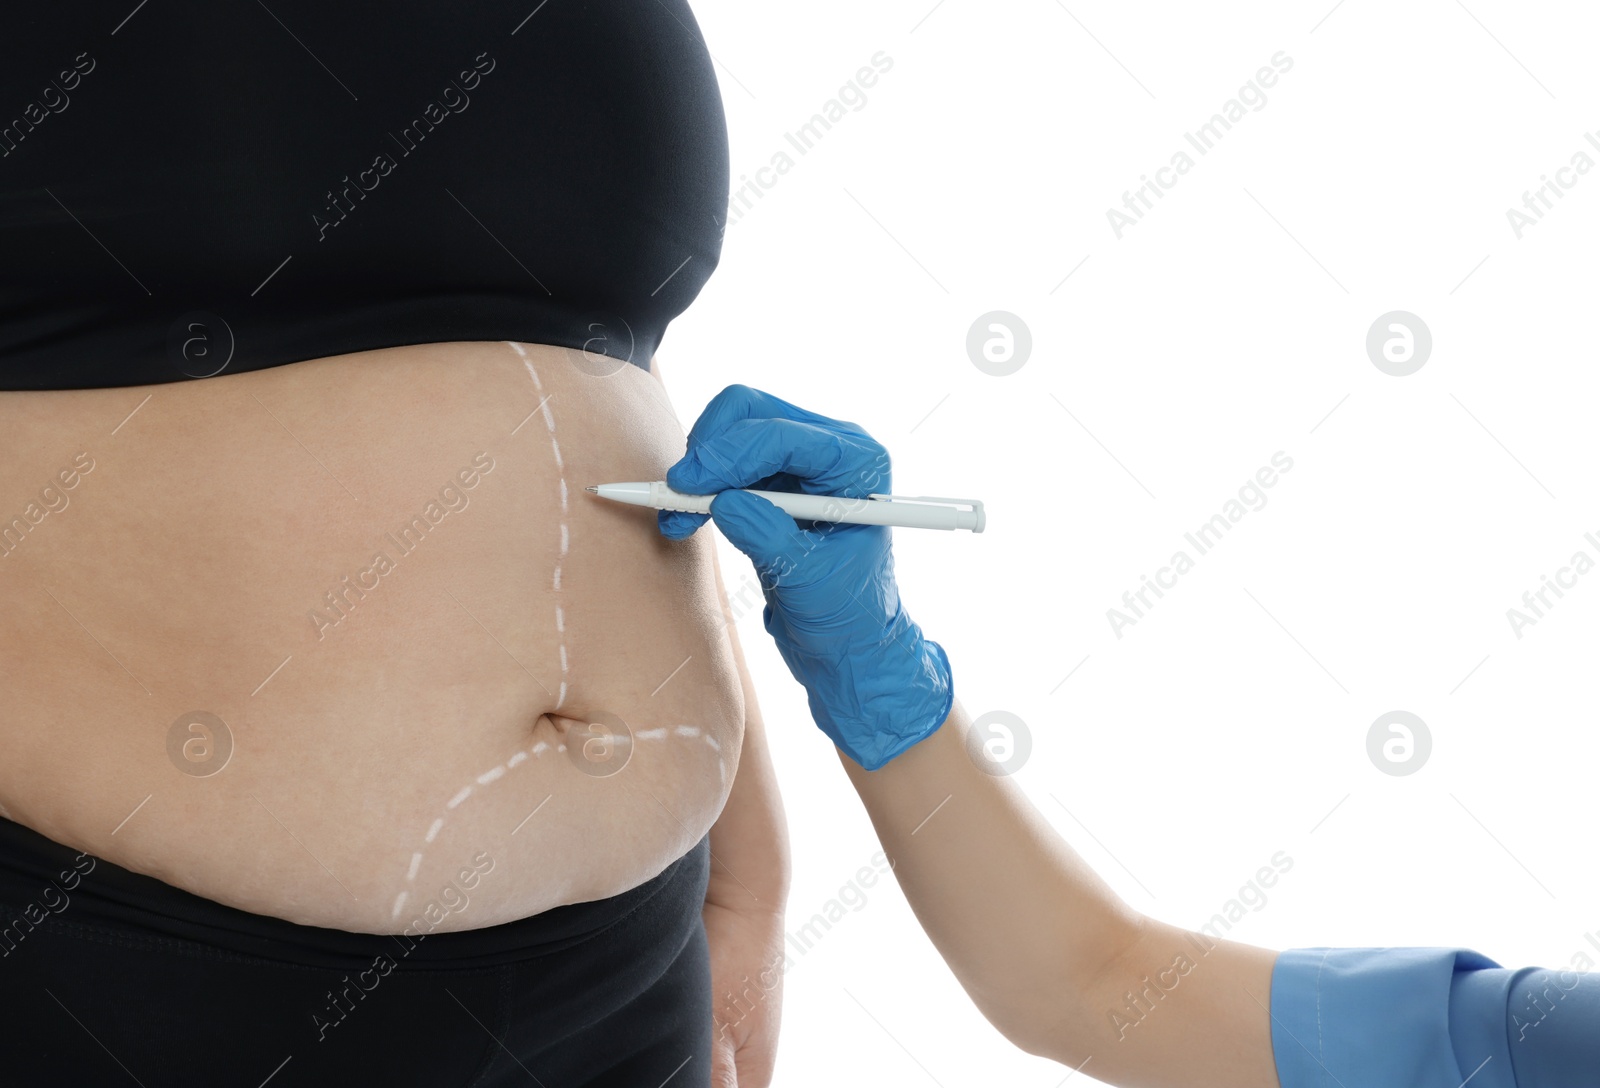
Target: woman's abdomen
point(313, 641)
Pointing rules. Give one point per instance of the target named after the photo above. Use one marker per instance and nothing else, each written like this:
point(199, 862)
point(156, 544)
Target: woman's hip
point(102, 968)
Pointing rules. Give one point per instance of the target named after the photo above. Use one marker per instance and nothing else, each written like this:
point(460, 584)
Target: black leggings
point(110, 977)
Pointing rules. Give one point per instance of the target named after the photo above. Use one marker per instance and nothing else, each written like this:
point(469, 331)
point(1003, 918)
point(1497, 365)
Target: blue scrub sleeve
point(1431, 1018)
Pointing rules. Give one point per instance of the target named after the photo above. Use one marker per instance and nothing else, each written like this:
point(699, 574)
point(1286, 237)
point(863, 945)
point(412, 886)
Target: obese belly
point(345, 642)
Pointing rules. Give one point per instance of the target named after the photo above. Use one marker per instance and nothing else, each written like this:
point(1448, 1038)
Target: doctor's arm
point(1046, 950)
point(1054, 959)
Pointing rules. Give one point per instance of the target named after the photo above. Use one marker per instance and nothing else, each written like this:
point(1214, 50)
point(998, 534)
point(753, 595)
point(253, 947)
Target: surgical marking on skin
point(555, 451)
point(537, 385)
point(540, 746)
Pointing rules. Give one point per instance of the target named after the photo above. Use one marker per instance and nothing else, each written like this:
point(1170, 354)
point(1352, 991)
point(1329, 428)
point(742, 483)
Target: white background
point(1230, 323)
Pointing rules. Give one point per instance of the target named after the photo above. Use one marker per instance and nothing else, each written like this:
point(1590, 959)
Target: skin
point(745, 896)
point(744, 908)
point(331, 796)
point(1074, 974)
point(1070, 950)
point(181, 576)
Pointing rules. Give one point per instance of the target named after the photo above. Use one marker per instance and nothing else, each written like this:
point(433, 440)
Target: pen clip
point(976, 506)
point(974, 503)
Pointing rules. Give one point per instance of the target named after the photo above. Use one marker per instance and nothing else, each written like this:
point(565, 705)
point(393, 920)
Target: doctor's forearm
point(1017, 915)
point(1048, 952)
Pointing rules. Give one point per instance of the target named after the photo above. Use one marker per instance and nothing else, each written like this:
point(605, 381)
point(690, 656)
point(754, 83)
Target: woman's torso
point(257, 200)
point(380, 573)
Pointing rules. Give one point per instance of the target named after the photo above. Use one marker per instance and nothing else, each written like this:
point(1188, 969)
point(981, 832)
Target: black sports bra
point(190, 189)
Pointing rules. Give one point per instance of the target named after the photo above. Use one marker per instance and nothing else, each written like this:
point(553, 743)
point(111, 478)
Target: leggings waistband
point(43, 879)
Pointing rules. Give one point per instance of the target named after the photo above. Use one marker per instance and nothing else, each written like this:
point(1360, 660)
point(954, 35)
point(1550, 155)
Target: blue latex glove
point(876, 686)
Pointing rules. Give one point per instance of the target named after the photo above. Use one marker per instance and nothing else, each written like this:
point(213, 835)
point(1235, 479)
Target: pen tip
point(592, 489)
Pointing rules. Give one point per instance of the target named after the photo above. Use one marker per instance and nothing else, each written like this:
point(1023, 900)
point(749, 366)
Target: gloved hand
point(876, 686)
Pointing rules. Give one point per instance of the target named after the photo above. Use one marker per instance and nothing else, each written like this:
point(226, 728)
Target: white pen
point(907, 511)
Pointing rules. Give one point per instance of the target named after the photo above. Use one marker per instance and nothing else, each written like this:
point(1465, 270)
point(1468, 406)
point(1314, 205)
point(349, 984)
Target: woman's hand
point(876, 685)
point(747, 983)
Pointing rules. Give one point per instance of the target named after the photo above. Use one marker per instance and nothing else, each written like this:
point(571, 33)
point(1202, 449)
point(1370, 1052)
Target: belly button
point(554, 726)
point(599, 744)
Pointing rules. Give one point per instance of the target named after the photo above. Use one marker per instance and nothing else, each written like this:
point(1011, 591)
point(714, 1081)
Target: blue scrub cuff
point(1430, 1018)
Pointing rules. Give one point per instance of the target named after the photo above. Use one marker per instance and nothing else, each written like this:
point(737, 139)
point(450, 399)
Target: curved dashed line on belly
point(538, 748)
